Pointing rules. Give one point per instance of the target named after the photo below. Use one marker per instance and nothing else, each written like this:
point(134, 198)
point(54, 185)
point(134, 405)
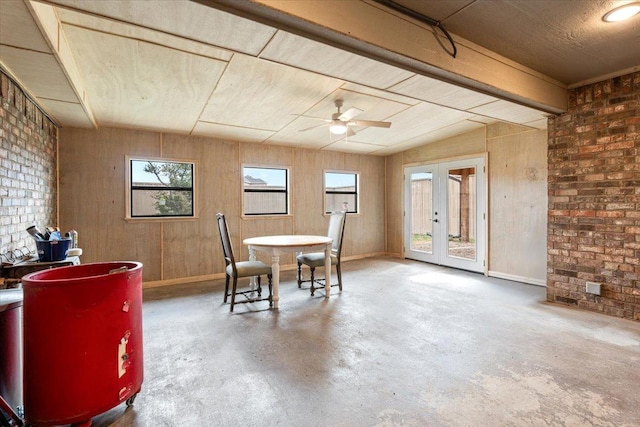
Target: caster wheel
point(131, 400)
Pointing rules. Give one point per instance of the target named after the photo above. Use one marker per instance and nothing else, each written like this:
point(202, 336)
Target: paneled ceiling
point(188, 68)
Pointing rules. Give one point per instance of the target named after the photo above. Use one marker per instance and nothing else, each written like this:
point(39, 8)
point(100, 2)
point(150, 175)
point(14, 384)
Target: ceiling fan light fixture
point(338, 128)
point(622, 13)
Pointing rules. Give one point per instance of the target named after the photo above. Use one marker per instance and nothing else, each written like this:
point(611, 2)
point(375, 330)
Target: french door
point(444, 218)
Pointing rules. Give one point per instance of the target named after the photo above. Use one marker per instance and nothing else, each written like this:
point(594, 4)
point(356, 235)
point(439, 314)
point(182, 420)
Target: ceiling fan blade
point(312, 127)
point(350, 132)
point(349, 114)
point(370, 123)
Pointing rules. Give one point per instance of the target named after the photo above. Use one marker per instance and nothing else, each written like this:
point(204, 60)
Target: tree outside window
point(161, 188)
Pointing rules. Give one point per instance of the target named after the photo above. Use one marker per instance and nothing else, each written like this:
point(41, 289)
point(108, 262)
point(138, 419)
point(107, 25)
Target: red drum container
point(82, 341)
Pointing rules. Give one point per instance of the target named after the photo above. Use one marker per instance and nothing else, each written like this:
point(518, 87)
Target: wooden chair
point(316, 259)
point(235, 270)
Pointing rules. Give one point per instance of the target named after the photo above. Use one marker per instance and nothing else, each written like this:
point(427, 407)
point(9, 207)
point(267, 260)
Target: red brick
point(583, 213)
point(28, 155)
point(594, 197)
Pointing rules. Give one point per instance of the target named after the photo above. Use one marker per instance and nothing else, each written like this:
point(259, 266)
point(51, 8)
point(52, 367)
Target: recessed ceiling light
point(621, 13)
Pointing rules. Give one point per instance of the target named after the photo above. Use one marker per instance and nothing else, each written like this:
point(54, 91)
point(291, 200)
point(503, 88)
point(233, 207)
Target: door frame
point(440, 170)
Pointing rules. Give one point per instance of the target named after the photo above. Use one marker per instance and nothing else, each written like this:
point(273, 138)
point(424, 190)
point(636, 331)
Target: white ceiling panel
point(482, 119)
point(139, 84)
point(373, 107)
point(538, 124)
point(437, 135)
point(182, 67)
point(445, 132)
point(366, 90)
point(432, 90)
point(411, 123)
point(231, 132)
point(69, 113)
point(311, 144)
point(303, 132)
point(30, 66)
point(77, 19)
point(349, 146)
point(299, 52)
point(18, 29)
point(264, 95)
point(509, 112)
point(184, 18)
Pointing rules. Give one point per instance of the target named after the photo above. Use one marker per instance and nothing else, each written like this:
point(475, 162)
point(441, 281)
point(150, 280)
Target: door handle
point(435, 220)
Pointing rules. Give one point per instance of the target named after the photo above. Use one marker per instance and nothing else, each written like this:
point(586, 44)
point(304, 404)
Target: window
point(160, 188)
point(341, 192)
point(266, 191)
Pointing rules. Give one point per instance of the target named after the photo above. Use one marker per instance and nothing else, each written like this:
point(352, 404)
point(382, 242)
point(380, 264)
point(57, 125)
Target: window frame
point(286, 191)
point(356, 191)
point(129, 189)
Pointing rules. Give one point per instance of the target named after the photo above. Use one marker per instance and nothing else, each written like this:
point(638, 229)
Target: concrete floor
point(405, 344)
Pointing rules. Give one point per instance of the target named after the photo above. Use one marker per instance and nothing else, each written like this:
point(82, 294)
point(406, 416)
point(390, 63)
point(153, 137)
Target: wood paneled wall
point(395, 204)
point(92, 200)
point(517, 203)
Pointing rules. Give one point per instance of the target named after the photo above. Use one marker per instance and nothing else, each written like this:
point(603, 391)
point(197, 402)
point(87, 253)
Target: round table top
point(287, 240)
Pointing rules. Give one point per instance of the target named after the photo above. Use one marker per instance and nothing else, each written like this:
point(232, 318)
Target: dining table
point(278, 245)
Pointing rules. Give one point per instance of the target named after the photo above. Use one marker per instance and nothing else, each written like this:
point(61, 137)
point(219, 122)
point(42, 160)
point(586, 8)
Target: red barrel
point(82, 341)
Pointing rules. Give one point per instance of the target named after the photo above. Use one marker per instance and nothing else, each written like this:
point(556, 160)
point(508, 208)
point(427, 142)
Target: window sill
point(153, 219)
point(267, 216)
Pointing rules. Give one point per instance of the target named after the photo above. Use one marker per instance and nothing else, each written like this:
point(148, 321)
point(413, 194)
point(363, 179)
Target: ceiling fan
point(341, 122)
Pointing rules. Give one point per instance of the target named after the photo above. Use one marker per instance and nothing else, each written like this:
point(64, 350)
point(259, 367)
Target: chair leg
point(233, 293)
point(226, 288)
point(269, 276)
point(339, 273)
point(259, 287)
point(299, 275)
point(312, 279)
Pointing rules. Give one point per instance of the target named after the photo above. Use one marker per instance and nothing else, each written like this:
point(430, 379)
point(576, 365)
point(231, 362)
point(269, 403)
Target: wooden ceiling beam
point(51, 29)
point(367, 28)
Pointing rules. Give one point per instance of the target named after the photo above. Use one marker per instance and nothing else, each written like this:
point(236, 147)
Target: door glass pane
point(421, 212)
point(461, 200)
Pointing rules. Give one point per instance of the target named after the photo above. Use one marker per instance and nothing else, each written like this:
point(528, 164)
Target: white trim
point(528, 280)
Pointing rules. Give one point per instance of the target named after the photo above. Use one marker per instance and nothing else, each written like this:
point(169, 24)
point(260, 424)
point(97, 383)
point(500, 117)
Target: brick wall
point(28, 168)
point(594, 198)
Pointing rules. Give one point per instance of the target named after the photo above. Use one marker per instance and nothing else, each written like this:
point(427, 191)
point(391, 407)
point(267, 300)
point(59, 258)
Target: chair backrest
point(227, 248)
point(336, 230)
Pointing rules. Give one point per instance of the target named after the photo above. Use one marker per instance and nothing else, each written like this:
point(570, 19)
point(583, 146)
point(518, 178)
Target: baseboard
point(355, 257)
point(217, 276)
point(523, 279)
point(182, 280)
